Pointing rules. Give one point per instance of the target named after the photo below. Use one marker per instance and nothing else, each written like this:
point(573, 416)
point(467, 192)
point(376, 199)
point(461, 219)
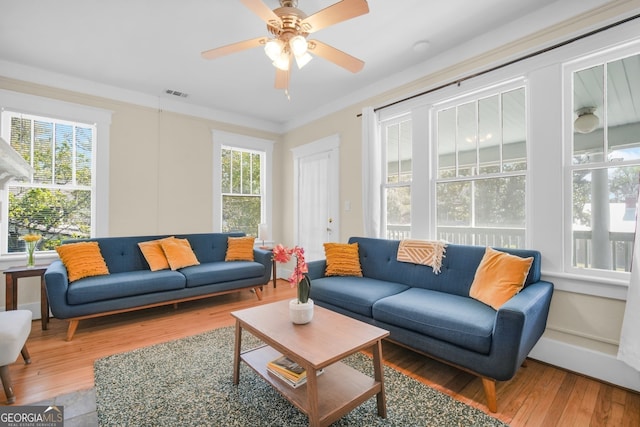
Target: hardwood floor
point(539, 395)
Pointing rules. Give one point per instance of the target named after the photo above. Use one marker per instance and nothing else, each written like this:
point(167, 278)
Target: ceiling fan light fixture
point(587, 121)
point(273, 48)
point(282, 61)
point(298, 45)
point(303, 59)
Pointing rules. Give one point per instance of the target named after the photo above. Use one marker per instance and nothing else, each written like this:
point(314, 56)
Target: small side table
point(11, 301)
point(273, 261)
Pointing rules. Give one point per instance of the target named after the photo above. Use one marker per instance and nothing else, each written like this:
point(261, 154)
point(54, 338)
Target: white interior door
point(317, 195)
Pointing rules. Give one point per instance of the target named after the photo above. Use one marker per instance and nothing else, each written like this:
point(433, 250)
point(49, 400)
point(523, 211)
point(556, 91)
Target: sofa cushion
point(82, 259)
point(179, 253)
point(217, 272)
point(499, 277)
point(342, 259)
point(356, 294)
point(120, 285)
point(459, 320)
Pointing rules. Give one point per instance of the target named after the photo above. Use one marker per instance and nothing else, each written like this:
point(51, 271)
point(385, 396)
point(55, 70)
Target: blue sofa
point(131, 285)
point(434, 315)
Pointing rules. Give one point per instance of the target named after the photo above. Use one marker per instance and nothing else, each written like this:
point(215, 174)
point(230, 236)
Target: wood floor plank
point(538, 395)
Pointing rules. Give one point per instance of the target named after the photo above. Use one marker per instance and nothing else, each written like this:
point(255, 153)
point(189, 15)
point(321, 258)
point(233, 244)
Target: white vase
point(301, 313)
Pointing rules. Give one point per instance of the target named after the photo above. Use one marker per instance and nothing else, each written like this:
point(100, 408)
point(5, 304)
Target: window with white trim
point(603, 167)
point(57, 202)
point(481, 169)
point(242, 189)
point(396, 187)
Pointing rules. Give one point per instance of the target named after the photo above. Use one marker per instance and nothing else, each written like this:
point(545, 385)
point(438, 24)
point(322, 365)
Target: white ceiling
point(149, 46)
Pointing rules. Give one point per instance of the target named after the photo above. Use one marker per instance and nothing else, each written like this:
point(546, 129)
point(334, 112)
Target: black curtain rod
point(513, 61)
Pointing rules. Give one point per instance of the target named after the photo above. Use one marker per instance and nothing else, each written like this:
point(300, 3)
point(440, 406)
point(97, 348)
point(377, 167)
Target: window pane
point(623, 82)
point(454, 204)
point(499, 202)
point(236, 172)
point(514, 132)
point(398, 200)
point(588, 142)
point(55, 214)
point(447, 143)
point(241, 213)
point(246, 173)
point(604, 203)
point(21, 138)
point(393, 159)
point(42, 152)
point(84, 155)
point(64, 164)
point(255, 174)
point(405, 151)
point(466, 139)
point(225, 184)
point(489, 134)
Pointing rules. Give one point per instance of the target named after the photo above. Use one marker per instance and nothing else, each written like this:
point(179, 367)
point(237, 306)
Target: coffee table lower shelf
point(340, 387)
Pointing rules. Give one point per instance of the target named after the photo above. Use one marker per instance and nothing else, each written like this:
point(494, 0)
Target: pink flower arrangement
point(298, 278)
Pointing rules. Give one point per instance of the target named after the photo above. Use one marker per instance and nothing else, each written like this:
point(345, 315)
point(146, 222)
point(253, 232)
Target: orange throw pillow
point(179, 253)
point(153, 253)
point(343, 259)
point(82, 259)
point(240, 248)
point(499, 277)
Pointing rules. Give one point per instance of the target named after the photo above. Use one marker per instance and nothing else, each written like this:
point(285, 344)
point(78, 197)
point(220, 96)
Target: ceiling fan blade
point(341, 11)
point(336, 56)
point(282, 79)
point(262, 10)
point(234, 47)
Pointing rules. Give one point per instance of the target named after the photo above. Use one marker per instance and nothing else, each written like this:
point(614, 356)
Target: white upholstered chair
point(15, 326)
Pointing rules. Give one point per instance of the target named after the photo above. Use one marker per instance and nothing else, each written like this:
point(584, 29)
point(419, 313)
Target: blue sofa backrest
point(123, 254)
point(378, 260)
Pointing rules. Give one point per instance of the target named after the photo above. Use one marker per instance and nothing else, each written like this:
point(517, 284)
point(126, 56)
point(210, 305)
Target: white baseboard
point(34, 307)
point(588, 362)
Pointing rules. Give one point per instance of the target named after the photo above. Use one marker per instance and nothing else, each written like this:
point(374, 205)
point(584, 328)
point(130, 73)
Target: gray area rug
point(188, 382)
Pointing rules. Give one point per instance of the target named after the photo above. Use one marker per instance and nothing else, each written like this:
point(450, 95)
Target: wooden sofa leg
point(490, 391)
point(258, 292)
point(73, 325)
point(7, 384)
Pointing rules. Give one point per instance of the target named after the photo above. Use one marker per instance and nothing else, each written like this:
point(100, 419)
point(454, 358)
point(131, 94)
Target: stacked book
point(288, 371)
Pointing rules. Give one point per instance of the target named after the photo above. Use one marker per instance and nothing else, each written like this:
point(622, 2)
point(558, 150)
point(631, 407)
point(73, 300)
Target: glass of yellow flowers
point(31, 241)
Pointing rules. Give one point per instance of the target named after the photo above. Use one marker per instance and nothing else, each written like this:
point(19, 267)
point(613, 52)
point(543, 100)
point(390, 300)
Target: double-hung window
point(397, 162)
point(57, 201)
point(603, 164)
point(242, 190)
point(481, 169)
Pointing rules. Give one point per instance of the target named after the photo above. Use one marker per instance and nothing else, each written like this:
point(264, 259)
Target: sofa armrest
point(264, 257)
point(317, 268)
point(57, 283)
point(519, 324)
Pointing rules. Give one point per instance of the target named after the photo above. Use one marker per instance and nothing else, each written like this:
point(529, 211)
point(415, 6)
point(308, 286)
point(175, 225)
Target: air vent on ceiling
point(176, 93)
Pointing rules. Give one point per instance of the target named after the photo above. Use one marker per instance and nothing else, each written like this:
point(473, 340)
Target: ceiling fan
point(290, 28)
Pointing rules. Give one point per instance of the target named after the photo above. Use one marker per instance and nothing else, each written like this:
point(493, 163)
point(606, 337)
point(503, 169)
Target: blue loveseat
point(131, 285)
point(434, 314)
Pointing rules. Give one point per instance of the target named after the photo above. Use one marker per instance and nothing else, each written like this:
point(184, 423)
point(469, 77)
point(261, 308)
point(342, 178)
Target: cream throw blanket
point(425, 252)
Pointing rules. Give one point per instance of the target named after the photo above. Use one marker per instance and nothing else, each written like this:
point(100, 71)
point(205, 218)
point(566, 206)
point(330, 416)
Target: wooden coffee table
point(320, 344)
